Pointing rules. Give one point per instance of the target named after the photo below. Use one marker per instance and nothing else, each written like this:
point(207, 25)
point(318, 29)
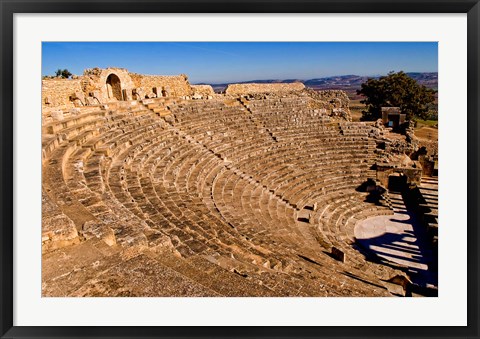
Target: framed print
point(240, 169)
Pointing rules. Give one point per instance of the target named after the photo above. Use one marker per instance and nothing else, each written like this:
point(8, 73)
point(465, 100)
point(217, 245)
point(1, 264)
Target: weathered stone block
point(57, 115)
point(99, 230)
point(338, 254)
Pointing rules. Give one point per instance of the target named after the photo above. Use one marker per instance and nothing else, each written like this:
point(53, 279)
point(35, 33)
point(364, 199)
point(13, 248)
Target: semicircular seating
point(221, 185)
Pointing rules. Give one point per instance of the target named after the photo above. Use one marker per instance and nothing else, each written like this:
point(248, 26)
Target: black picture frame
point(9, 8)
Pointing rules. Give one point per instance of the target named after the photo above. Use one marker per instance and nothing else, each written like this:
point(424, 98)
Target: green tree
point(63, 73)
point(396, 90)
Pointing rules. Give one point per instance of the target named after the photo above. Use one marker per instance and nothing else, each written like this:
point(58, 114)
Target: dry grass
point(356, 109)
point(426, 123)
point(427, 133)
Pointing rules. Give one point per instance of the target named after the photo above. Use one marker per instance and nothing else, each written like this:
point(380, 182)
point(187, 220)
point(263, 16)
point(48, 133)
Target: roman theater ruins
point(155, 187)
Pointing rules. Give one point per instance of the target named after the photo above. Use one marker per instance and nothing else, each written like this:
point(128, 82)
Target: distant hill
point(430, 80)
point(348, 83)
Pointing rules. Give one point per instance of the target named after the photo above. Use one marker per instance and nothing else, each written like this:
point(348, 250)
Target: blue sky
point(218, 62)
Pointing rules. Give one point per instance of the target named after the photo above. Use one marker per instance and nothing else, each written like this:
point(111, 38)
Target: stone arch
point(114, 87)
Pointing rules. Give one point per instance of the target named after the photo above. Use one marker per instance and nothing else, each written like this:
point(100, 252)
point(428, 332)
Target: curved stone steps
point(332, 220)
point(177, 212)
point(205, 192)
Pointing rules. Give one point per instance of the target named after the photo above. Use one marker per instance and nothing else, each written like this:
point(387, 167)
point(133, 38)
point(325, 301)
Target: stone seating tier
point(214, 188)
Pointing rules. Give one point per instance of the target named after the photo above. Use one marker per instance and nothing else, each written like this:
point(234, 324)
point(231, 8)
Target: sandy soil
point(427, 133)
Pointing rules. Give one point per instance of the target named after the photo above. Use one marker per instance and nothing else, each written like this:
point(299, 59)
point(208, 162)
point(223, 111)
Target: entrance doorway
point(397, 182)
point(114, 87)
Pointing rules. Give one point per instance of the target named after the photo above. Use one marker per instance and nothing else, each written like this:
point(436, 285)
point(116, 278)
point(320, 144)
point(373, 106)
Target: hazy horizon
point(306, 79)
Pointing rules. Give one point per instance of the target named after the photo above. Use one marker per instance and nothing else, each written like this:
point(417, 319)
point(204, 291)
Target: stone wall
point(203, 90)
point(102, 85)
point(335, 101)
point(94, 84)
point(240, 89)
point(413, 174)
point(336, 98)
point(167, 85)
point(56, 93)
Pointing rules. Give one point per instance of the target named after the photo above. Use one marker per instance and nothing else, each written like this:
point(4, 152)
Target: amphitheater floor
point(400, 239)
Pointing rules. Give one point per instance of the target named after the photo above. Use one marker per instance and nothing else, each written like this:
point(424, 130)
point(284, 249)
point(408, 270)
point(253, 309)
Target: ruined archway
point(114, 87)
